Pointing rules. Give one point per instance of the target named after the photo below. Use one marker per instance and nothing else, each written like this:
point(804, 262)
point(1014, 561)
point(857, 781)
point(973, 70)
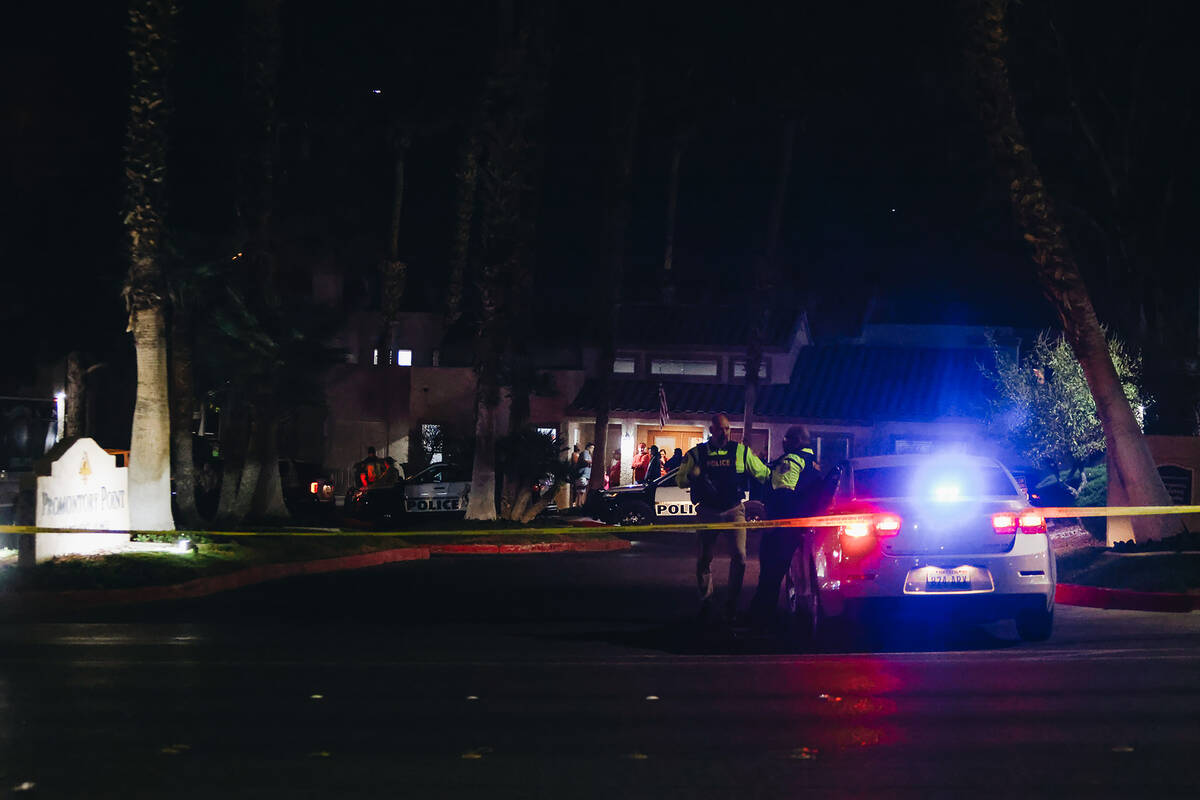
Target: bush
point(1094, 494)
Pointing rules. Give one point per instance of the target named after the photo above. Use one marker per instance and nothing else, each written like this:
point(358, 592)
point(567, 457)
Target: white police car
point(934, 537)
point(439, 489)
point(658, 502)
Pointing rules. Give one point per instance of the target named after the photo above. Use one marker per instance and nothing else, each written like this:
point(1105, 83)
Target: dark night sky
point(891, 186)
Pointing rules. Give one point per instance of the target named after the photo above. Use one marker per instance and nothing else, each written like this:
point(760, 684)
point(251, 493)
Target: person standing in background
point(654, 470)
point(641, 461)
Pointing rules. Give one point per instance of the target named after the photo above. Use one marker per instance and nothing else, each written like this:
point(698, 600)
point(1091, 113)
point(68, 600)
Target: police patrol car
point(660, 501)
point(438, 489)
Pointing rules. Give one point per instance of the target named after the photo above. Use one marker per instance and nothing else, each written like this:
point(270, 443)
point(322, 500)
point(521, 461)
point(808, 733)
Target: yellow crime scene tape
point(826, 521)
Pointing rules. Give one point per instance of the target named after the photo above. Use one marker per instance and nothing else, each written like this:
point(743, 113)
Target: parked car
point(658, 502)
point(938, 537)
point(307, 489)
point(441, 488)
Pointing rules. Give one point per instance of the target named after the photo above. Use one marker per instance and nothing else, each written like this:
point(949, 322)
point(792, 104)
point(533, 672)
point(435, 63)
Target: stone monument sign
point(85, 490)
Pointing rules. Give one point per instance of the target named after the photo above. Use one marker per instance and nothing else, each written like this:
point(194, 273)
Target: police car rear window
point(909, 481)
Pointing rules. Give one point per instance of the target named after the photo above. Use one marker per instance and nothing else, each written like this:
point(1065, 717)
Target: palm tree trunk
point(468, 180)
point(267, 503)
point(183, 405)
point(1057, 270)
point(150, 444)
point(76, 400)
point(482, 505)
point(234, 442)
point(252, 467)
point(627, 102)
point(150, 28)
point(765, 279)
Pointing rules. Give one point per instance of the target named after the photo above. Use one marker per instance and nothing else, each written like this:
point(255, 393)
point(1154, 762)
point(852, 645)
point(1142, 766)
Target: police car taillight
point(1031, 523)
point(1007, 524)
point(887, 526)
point(882, 526)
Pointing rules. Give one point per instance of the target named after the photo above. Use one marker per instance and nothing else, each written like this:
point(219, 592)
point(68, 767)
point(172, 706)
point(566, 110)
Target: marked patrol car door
point(672, 504)
point(438, 488)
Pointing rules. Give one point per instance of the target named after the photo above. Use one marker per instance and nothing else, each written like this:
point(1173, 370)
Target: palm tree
point(500, 180)
point(626, 110)
point(151, 45)
point(467, 176)
point(1128, 455)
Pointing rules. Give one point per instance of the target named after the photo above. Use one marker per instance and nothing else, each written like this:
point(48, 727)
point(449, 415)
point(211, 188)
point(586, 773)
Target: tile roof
point(834, 382)
point(882, 383)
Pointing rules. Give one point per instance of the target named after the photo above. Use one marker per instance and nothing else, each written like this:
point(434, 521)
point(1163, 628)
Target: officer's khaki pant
point(737, 554)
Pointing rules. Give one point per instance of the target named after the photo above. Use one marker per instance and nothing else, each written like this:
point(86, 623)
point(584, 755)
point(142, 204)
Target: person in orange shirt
point(641, 462)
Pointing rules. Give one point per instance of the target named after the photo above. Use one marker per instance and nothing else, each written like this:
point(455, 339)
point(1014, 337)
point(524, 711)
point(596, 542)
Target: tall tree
point(1117, 156)
point(183, 404)
point(766, 278)
point(502, 138)
point(467, 177)
point(1057, 269)
point(625, 112)
point(151, 26)
point(255, 460)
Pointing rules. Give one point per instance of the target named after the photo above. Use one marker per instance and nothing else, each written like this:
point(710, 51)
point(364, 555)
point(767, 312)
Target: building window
point(1178, 482)
point(401, 358)
point(907, 446)
point(551, 432)
point(624, 365)
point(676, 366)
point(431, 443)
point(832, 448)
point(739, 369)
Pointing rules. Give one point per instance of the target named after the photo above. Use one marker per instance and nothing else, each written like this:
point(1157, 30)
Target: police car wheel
point(634, 514)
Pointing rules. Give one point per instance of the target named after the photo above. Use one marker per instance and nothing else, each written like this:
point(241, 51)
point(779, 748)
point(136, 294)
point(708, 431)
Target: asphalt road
point(579, 675)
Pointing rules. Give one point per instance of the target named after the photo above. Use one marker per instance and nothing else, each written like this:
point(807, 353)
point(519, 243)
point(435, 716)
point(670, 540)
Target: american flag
point(663, 415)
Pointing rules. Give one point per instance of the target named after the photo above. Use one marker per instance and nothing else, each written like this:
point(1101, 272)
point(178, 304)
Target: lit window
point(624, 366)
point(739, 369)
point(375, 357)
point(551, 432)
point(404, 358)
point(674, 366)
point(907, 446)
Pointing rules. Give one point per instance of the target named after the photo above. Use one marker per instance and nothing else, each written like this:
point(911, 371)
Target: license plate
point(947, 580)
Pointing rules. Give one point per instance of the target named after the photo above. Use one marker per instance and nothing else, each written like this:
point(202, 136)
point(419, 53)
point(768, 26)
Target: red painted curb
point(1070, 594)
point(604, 546)
point(206, 586)
point(537, 547)
point(463, 549)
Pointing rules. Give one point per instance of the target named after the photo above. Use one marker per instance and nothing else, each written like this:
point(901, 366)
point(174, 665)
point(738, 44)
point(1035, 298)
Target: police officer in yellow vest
point(716, 472)
point(795, 491)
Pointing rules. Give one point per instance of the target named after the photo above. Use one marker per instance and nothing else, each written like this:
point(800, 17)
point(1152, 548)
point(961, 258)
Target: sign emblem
point(85, 469)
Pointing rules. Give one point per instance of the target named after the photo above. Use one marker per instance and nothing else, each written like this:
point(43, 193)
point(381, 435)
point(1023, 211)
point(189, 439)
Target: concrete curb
point(16, 603)
point(1070, 594)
